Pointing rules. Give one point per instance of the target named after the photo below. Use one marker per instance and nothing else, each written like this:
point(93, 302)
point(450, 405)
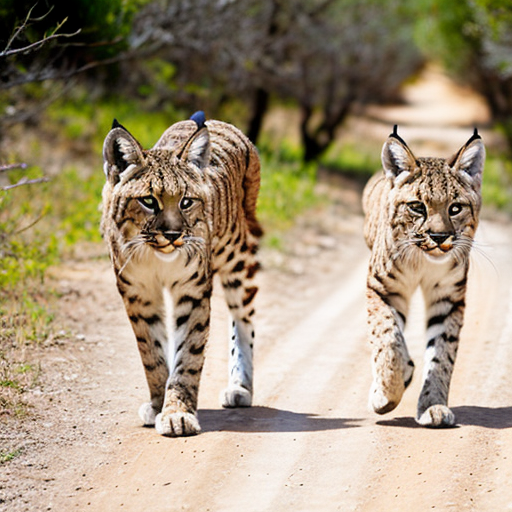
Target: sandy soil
point(309, 443)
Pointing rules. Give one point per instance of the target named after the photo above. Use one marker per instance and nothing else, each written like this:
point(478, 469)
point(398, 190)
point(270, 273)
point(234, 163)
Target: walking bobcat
point(172, 217)
point(421, 217)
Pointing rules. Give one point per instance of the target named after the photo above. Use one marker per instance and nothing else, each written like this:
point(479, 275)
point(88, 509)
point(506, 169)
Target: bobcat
point(421, 217)
point(172, 217)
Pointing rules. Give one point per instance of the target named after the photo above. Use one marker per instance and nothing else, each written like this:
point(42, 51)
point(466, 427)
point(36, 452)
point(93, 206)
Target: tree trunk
point(259, 109)
point(316, 142)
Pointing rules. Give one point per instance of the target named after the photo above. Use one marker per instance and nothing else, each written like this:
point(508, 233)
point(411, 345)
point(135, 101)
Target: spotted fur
point(172, 217)
point(421, 218)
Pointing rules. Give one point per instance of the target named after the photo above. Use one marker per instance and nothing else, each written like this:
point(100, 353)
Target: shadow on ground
point(267, 419)
point(486, 417)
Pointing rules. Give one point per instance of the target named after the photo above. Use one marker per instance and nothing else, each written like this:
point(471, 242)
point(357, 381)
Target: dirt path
point(309, 443)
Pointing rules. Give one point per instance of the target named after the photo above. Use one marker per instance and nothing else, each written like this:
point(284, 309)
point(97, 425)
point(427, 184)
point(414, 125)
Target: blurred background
point(316, 84)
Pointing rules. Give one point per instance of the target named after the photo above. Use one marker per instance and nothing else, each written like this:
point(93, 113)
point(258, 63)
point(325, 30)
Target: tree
point(342, 54)
point(42, 41)
point(473, 38)
point(326, 55)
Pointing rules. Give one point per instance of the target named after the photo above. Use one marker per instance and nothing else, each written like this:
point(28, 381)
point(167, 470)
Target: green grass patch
point(287, 190)
point(355, 160)
point(497, 183)
point(81, 119)
point(74, 202)
point(7, 456)
point(16, 378)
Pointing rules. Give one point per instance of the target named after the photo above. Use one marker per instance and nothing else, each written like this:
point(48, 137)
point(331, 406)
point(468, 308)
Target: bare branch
point(25, 181)
point(7, 52)
point(23, 26)
point(38, 44)
point(28, 226)
point(10, 167)
point(49, 73)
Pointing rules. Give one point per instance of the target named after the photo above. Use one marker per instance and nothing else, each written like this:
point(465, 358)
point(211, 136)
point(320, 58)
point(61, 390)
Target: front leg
point(391, 364)
point(445, 314)
point(146, 312)
point(186, 358)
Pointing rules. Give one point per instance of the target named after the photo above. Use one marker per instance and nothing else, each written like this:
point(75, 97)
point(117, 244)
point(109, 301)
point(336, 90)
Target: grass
point(6, 456)
point(352, 159)
point(497, 183)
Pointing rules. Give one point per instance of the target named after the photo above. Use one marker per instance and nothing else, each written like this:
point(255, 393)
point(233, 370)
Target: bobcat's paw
point(177, 424)
point(384, 400)
point(147, 414)
point(236, 396)
point(437, 416)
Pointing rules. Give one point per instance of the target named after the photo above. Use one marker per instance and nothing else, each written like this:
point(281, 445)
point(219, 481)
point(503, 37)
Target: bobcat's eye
point(417, 207)
point(454, 209)
point(186, 203)
point(150, 203)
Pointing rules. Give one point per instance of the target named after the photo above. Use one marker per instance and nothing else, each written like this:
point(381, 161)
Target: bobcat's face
point(434, 202)
point(158, 199)
point(435, 212)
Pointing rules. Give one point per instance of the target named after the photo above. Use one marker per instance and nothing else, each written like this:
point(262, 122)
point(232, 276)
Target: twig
point(37, 44)
point(9, 167)
point(23, 26)
point(28, 226)
point(25, 181)
point(66, 75)
point(6, 52)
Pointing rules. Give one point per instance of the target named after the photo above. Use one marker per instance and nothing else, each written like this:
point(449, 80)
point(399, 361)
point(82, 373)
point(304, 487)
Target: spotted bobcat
point(172, 217)
point(421, 217)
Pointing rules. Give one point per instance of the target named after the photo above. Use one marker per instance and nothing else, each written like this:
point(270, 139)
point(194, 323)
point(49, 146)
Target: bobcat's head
point(156, 199)
point(434, 202)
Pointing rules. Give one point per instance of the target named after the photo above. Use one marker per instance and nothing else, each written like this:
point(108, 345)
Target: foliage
point(82, 119)
point(473, 39)
point(287, 190)
point(326, 56)
point(24, 255)
point(349, 158)
point(97, 26)
point(497, 183)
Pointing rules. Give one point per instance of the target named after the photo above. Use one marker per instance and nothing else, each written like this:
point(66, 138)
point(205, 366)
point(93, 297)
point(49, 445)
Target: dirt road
point(309, 443)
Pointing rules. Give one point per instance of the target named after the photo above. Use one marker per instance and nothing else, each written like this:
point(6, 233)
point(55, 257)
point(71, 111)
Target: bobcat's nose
point(439, 238)
point(172, 236)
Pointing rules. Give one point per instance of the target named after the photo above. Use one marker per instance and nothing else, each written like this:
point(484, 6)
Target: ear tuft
point(396, 136)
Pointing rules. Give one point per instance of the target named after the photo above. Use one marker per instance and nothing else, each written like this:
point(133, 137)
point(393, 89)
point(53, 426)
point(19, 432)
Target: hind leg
point(240, 385)
point(240, 291)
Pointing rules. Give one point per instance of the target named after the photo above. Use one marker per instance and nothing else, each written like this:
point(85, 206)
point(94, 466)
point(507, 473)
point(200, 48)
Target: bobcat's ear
point(470, 159)
point(197, 149)
point(397, 159)
point(122, 154)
